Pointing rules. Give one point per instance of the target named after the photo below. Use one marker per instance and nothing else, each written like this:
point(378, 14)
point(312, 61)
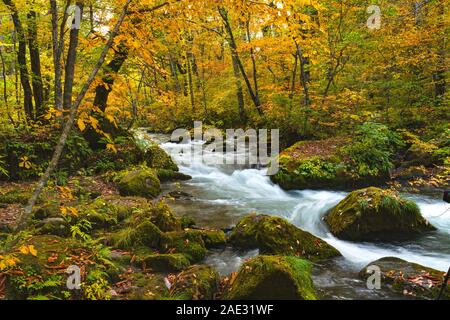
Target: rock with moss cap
point(274, 235)
point(162, 262)
point(199, 282)
point(376, 214)
point(273, 278)
point(141, 181)
point(408, 279)
point(157, 158)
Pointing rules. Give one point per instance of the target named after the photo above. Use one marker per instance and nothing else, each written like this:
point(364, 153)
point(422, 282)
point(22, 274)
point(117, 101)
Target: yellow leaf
point(81, 124)
point(111, 147)
point(24, 250)
point(33, 250)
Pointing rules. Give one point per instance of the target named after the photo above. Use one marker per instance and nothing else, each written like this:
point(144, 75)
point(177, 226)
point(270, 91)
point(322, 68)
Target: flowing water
point(221, 195)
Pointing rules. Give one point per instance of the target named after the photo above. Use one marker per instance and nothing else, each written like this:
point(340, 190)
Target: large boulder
point(273, 278)
point(141, 181)
point(407, 278)
point(199, 282)
point(274, 235)
point(376, 214)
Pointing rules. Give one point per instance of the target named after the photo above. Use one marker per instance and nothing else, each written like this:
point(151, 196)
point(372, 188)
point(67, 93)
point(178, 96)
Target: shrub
point(372, 150)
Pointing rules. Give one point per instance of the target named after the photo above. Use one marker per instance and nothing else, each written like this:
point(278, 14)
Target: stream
point(221, 195)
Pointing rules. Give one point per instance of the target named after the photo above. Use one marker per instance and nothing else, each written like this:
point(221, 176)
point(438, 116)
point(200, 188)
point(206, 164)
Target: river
point(221, 195)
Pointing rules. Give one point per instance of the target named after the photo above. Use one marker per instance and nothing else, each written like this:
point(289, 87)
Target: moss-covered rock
point(40, 263)
point(163, 217)
point(407, 278)
point(165, 175)
point(273, 278)
point(163, 262)
point(274, 235)
point(157, 158)
point(146, 286)
point(19, 195)
point(189, 242)
point(139, 182)
point(213, 238)
point(199, 282)
point(376, 214)
point(143, 233)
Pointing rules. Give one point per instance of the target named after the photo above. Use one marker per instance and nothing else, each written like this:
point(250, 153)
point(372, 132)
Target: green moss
point(190, 243)
point(196, 283)
point(157, 158)
point(376, 214)
point(273, 278)
point(274, 235)
point(409, 278)
point(139, 182)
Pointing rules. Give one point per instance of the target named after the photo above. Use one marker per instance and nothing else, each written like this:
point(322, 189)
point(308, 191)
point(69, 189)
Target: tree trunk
point(22, 61)
point(239, 92)
point(191, 82)
point(252, 56)
point(35, 60)
point(70, 64)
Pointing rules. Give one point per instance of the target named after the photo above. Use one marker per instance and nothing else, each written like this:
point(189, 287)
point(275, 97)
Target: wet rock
point(180, 195)
point(274, 235)
point(139, 182)
point(199, 282)
point(273, 278)
point(407, 278)
point(376, 214)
